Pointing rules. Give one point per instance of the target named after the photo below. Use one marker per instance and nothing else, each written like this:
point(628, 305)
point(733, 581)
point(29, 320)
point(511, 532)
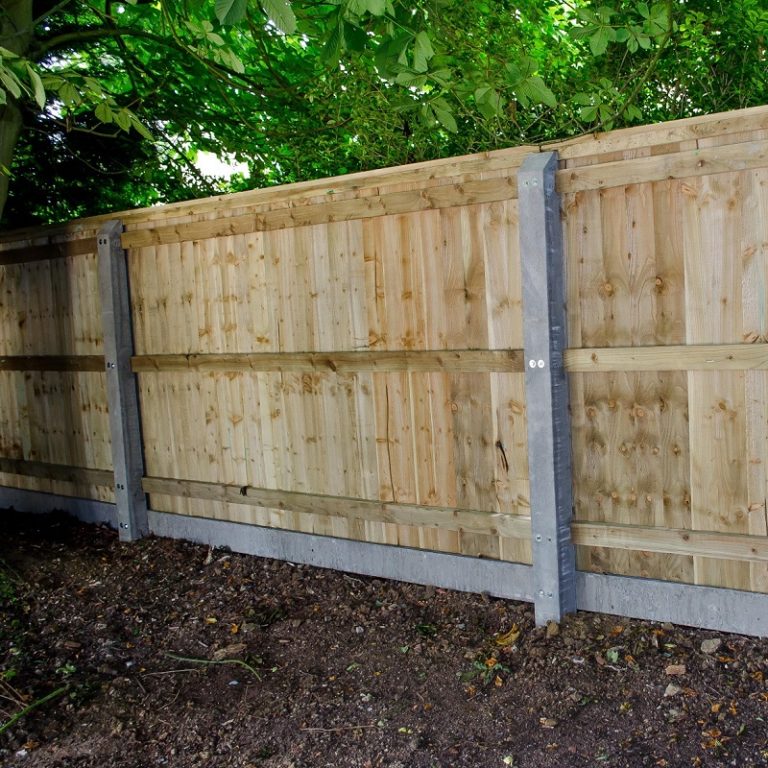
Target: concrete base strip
point(512, 581)
point(725, 610)
point(467, 574)
point(86, 510)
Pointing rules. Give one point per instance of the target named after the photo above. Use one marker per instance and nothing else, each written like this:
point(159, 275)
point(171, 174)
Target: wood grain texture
point(44, 252)
point(674, 357)
point(479, 361)
point(664, 138)
point(360, 338)
point(325, 360)
point(52, 384)
point(60, 472)
point(465, 193)
point(724, 126)
point(755, 313)
point(48, 308)
point(52, 363)
point(629, 429)
point(680, 165)
point(411, 515)
point(712, 229)
point(53, 417)
point(703, 544)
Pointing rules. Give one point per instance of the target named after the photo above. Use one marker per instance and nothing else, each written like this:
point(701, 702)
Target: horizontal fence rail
point(52, 363)
point(467, 361)
point(694, 357)
point(540, 372)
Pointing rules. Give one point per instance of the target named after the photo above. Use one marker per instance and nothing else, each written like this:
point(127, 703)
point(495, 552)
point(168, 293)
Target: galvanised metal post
point(549, 445)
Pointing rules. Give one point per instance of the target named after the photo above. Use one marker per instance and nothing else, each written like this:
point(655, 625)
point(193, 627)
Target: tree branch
point(642, 81)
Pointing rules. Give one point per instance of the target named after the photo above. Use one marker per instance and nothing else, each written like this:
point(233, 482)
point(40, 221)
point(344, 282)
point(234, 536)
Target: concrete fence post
point(549, 445)
point(122, 392)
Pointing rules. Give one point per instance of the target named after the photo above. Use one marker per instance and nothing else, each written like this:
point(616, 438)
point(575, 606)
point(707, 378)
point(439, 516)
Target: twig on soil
point(339, 729)
point(9, 693)
point(169, 703)
point(238, 662)
point(169, 672)
point(34, 705)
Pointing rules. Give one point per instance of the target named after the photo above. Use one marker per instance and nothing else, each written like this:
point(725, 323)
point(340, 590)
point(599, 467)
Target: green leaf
point(377, 7)
point(482, 92)
point(586, 15)
point(391, 55)
point(232, 60)
point(598, 41)
point(11, 82)
point(215, 39)
point(69, 94)
point(334, 45)
point(103, 112)
point(489, 103)
point(123, 120)
point(658, 23)
point(359, 8)
point(441, 76)
point(231, 11)
point(280, 13)
point(588, 114)
point(422, 52)
point(411, 79)
point(446, 119)
point(536, 90)
point(356, 8)
point(604, 13)
point(355, 39)
point(93, 86)
point(37, 87)
point(139, 127)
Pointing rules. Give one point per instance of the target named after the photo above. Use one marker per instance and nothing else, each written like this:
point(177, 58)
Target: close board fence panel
point(337, 369)
point(52, 385)
point(681, 447)
point(374, 359)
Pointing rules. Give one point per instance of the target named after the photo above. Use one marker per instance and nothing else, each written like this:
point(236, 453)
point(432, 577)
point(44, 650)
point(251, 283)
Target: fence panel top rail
point(589, 150)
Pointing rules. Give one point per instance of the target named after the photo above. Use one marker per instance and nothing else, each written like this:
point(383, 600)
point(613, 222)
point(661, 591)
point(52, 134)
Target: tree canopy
point(104, 104)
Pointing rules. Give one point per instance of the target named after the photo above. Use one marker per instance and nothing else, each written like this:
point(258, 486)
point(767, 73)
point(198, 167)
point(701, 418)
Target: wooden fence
point(346, 358)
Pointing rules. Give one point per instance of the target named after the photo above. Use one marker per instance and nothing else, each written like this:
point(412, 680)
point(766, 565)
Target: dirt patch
point(164, 653)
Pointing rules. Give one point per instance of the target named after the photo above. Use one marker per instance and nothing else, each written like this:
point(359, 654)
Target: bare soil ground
point(164, 653)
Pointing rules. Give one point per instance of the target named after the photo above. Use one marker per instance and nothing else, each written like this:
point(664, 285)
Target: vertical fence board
point(714, 289)
point(755, 255)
